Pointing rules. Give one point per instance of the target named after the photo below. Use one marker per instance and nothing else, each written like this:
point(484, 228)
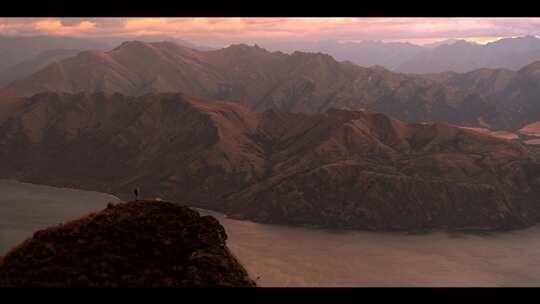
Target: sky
point(224, 31)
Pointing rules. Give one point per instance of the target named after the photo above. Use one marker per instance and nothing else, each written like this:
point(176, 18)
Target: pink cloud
point(250, 30)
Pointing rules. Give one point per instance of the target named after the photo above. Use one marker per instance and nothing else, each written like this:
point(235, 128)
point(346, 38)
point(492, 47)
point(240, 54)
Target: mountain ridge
point(342, 168)
point(299, 82)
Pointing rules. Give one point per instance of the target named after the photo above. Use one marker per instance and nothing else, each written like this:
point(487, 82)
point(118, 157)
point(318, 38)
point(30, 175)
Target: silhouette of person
point(136, 191)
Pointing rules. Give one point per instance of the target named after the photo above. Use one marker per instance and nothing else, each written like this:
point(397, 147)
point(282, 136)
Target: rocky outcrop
point(349, 169)
point(134, 244)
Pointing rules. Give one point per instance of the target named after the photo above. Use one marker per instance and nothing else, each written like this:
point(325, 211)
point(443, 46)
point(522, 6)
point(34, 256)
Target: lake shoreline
point(308, 256)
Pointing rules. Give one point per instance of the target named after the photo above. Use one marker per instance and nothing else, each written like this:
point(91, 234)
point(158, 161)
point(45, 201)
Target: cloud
point(251, 30)
point(58, 27)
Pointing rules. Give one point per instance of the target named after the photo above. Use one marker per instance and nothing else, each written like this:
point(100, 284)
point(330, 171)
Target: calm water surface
point(287, 256)
point(25, 208)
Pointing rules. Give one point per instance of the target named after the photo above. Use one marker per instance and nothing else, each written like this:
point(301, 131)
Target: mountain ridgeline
point(498, 99)
point(340, 168)
point(462, 56)
point(453, 55)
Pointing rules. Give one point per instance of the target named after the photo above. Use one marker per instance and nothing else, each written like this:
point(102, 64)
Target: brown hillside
point(342, 168)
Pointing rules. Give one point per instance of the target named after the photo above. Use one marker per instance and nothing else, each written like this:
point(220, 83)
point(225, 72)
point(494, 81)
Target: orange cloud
point(144, 23)
point(55, 26)
point(48, 25)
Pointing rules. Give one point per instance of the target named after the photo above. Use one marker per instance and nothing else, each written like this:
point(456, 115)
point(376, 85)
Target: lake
point(291, 256)
point(25, 208)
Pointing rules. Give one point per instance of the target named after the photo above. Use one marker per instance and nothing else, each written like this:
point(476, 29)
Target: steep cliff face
point(135, 244)
point(342, 168)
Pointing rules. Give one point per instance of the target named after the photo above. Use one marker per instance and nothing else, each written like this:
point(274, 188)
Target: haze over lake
point(289, 256)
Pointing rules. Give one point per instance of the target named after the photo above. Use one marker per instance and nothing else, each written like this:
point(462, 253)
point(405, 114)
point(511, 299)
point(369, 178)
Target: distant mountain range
point(452, 55)
point(366, 53)
point(463, 56)
point(498, 99)
point(16, 49)
point(34, 64)
point(339, 168)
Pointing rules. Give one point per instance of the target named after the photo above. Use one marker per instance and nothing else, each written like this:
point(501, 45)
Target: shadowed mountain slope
point(341, 168)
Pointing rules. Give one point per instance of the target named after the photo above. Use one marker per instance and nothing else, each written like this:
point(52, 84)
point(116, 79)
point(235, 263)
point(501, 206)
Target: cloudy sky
point(223, 31)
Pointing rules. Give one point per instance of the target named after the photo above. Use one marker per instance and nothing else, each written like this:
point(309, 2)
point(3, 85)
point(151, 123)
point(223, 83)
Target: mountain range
point(497, 99)
point(338, 168)
point(463, 56)
point(34, 64)
point(364, 53)
point(16, 49)
point(453, 55)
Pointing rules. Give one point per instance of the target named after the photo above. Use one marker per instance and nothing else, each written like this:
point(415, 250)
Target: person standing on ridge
point(136, 191)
